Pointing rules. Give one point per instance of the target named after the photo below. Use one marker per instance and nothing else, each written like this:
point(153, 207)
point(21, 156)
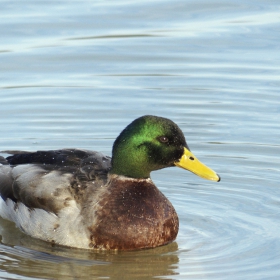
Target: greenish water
point(75, 73)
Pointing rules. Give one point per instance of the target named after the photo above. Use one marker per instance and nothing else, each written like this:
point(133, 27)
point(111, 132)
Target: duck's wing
point(50, 180)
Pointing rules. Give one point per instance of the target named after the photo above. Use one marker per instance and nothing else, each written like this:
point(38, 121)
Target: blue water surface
point(75, 73)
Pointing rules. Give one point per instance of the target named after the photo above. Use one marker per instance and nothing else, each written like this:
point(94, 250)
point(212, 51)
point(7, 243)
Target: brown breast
point(132, 214)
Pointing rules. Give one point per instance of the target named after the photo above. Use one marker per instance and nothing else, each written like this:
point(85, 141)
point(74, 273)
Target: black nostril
point(191, 158)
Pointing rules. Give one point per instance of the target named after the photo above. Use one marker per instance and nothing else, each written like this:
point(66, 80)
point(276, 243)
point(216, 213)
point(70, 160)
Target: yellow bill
point(190, 162)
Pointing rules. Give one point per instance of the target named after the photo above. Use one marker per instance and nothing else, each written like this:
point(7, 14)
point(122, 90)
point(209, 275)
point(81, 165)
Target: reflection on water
point(75, 74)
point(49, 261)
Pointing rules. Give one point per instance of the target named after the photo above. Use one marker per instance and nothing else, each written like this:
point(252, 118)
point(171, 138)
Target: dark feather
point(73, 173)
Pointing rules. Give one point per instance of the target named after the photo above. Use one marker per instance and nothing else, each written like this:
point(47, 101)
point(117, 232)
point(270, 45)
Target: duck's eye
point(163, 139)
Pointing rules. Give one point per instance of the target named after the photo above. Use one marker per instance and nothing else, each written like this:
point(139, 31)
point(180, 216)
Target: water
point(75, 73)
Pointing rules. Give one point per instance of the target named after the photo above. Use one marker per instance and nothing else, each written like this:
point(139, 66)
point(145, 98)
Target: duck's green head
point(151, 143)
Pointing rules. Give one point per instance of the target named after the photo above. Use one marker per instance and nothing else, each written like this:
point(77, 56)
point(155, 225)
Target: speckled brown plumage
point(135, 215)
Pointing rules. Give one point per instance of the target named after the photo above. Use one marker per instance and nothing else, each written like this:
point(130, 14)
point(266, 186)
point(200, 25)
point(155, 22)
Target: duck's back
point(43, 192)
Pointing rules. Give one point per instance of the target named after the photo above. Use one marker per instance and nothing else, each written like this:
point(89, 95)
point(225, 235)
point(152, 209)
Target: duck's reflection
point(25, 256)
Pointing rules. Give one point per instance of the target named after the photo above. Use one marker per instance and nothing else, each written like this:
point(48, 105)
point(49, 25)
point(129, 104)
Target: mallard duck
point(84, 199)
